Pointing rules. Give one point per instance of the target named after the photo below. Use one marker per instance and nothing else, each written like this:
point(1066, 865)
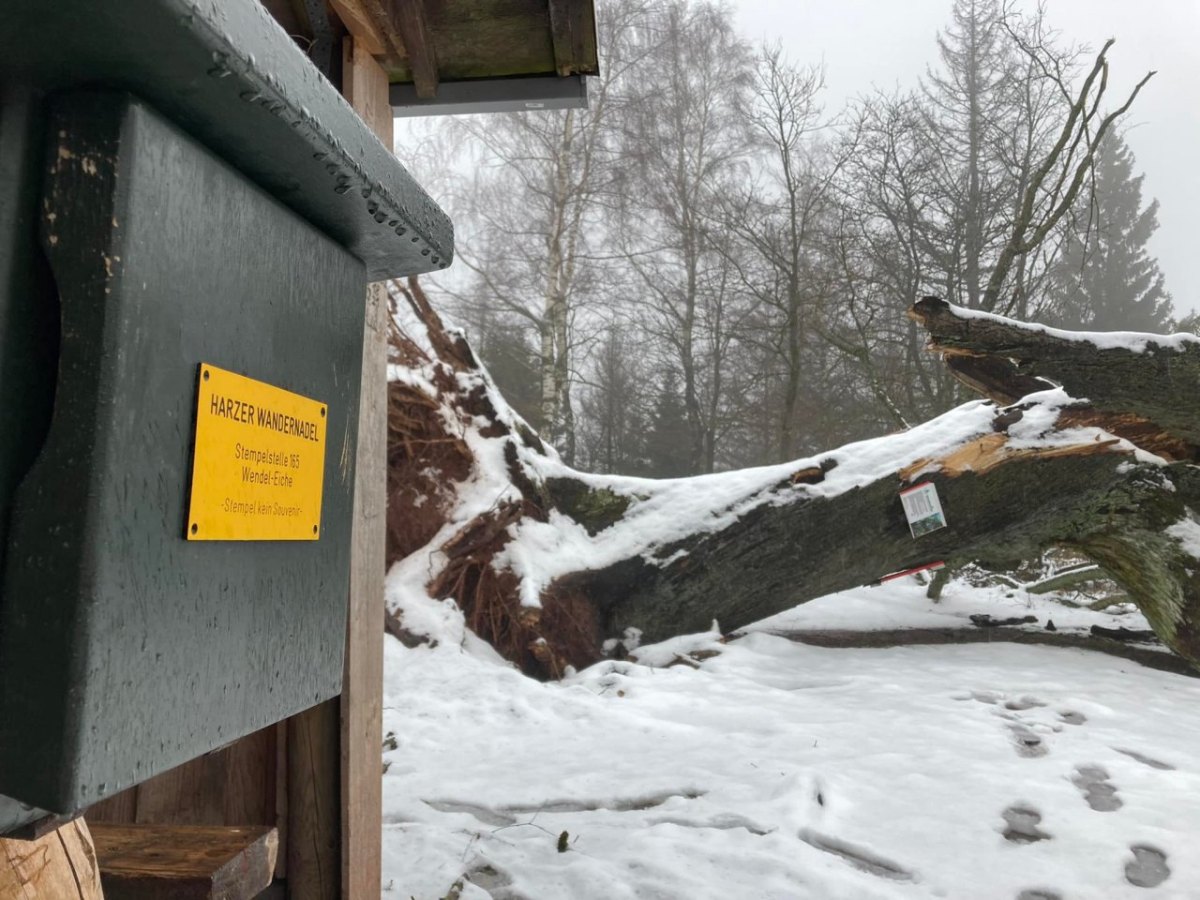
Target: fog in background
point(709, 267)
point(879, 43)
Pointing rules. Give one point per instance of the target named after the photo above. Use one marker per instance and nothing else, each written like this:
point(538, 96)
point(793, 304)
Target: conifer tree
point(1106, 279)
point(667, 440)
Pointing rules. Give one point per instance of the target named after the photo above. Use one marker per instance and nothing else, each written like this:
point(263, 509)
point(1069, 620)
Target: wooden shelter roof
point(427, 43)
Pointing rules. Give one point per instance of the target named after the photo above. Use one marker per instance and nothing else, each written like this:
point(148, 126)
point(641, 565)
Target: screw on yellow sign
point(259, 463)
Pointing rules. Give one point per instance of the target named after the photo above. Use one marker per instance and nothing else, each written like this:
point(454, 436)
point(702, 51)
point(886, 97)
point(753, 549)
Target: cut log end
point(60, 865)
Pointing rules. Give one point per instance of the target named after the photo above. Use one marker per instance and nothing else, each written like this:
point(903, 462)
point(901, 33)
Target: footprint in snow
point(1023, 703)
point(493, 881)
point(993, 698)
point(1038, 894)
point(1073, 718)
point(1023, 826)
point(1148, 868)
point(1097, 790)
point(1028, 743)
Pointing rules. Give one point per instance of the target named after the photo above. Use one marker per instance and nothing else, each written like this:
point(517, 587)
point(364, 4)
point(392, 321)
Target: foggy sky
point(885, 43)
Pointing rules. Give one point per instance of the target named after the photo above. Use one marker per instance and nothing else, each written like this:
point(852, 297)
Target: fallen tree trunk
point(798, 545)
point(559, 560)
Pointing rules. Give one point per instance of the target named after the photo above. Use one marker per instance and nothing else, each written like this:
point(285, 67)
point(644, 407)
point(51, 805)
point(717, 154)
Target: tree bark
point(1092, 496)
point(1151, 396)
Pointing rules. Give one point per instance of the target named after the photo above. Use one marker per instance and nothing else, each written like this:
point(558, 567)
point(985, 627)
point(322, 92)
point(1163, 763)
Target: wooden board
point(517, 39)
point(184, 862)
point(237, 785)
point(60, 865)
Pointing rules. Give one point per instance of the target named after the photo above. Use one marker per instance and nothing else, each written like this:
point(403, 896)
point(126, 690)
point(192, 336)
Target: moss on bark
point(593, 508)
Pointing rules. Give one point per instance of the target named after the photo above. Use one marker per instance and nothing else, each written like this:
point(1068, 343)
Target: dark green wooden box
point(177, 184)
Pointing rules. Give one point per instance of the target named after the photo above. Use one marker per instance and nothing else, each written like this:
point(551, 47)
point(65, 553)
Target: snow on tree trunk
point(551, 560)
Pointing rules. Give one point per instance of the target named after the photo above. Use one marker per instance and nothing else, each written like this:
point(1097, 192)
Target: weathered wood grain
point(185, 862)
point(314, 856)
point(362, 686)
point(60, 865)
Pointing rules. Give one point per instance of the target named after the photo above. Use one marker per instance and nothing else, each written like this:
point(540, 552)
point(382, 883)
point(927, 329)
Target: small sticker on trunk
point(923, 509)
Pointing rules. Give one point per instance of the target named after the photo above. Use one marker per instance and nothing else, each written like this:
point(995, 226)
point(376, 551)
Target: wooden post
point(365, 85)
point(326, 812)
point(313, 807)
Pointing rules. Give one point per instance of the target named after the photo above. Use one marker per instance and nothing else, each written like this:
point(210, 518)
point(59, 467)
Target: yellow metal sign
point(259, 463)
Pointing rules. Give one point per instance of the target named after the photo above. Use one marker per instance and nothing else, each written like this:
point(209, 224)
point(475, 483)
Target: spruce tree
point(668, 442)
point(1106, 279)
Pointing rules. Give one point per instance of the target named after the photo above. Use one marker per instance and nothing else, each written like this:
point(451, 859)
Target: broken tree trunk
point(562, 559)
point(1002, 505)
point(1145, 388)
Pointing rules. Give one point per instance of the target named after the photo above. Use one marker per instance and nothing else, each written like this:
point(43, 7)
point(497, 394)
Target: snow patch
point(1187, 532)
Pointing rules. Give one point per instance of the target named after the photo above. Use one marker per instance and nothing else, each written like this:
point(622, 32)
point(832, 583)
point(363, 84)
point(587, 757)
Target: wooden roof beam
point(408, 19)
point(400, 30)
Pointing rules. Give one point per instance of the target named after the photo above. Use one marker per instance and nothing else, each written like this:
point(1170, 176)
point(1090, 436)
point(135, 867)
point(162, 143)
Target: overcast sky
point(885, 43)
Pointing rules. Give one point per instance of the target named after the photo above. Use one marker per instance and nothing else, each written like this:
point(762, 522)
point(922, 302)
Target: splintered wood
point(984, 454)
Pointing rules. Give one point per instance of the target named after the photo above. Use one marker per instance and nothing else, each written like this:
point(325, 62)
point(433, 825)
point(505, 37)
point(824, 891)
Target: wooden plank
point(334, 796)
point(362, 689)
point(364, 85)
point(236, 785)
point(314, 811)
point(587, 53)
point(57, 866)
point(560, 34)
point(185, 862)
point(190, 794)
point(523, 37)
point(498, 38)
point(249, 792)
point(119, 809)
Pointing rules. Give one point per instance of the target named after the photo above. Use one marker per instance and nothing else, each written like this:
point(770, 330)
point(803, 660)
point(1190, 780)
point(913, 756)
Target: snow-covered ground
point(770, 769)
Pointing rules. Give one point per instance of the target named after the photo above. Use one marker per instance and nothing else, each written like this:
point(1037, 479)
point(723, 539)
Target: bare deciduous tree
point(685, 133)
